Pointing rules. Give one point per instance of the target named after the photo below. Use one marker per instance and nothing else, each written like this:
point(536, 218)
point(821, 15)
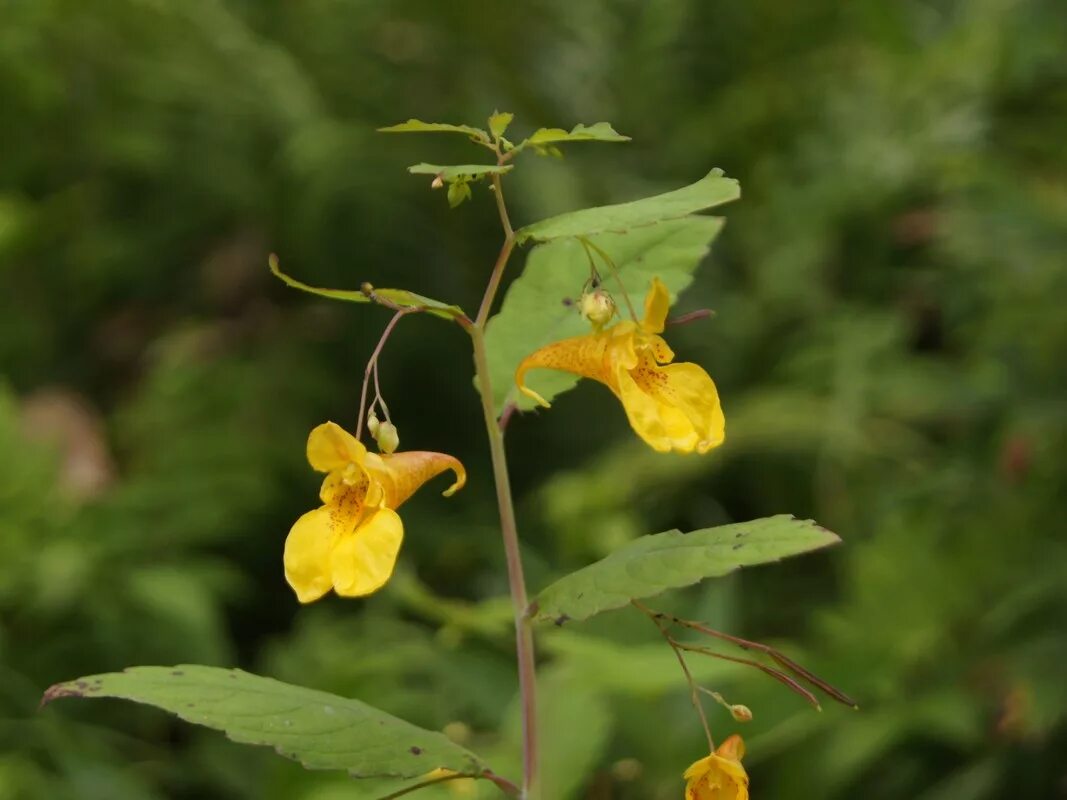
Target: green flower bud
point(597, 307)
point(387, 437)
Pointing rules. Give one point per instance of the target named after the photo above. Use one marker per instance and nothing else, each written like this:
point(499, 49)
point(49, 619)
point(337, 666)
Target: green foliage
point(598, 132)
point(541, 304)
point(712, 190)
point(498, 123)
point(396, 297)
point(418, 126)
point(652, 564)
point(544, 140)
point(460, 171)
point(458, 177)
point(318, 729)
point(458, 191)
point(888, 346)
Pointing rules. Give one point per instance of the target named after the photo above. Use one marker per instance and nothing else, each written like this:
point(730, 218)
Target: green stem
point(502, 259)
point(524, 645)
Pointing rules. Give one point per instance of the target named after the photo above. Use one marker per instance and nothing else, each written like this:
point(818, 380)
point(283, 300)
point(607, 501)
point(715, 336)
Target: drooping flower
point(670, 406)
point(720, 775)
point(350, 543)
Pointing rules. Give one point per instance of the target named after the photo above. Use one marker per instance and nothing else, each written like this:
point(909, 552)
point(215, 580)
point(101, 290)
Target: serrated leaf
point(670, 560)
point(399, 297)
point(535, 313)
point(418, 126)
point(598, 132)
point(452, 172)
point(711, 190)
point(318, 729)
point(498, 123)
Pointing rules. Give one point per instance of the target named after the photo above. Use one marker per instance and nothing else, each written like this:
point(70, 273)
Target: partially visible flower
point(720, 775)
point(670, 406)
point(350, 543)
point(459, 786)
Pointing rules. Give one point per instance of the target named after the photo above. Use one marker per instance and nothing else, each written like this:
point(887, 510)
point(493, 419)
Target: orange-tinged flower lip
point(402, 474)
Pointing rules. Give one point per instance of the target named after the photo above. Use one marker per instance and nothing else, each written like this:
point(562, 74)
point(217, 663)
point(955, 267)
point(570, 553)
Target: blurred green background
point(889, 344)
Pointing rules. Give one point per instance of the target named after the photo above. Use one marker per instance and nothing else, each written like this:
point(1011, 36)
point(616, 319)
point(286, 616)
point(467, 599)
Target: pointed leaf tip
point(318, 729)
point(597, 132)
point(418, 126)
point(712, 190)
point(653, 564)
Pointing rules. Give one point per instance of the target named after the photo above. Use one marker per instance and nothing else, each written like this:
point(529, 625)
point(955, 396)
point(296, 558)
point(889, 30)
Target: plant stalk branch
point(372, 364)
point(502, 259)
point(694, 689)
point(524, 644)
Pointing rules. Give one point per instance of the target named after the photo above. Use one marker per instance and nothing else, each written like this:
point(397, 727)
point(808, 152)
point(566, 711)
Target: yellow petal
point(307, 555)
point(720, 775)
point(697, 768)
point(402, 474)
point(362, 561)
point(660, 350)
point(657, 305)
point(594, 355)
point(331, 447)
point(645, 415)
point(691, 390)
point(354, 482)
point(674, 407)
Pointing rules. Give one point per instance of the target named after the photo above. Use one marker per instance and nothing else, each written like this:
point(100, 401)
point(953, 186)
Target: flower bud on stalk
point(741, 713)
point(387, 437)
point(597, 307)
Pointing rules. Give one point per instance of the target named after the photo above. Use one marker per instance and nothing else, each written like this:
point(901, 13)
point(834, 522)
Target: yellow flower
point(719, 776)
point(671, 406)
point(350, 543)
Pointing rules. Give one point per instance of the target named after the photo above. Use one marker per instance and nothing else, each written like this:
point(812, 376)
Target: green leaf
point(459, 171)
point(418, 126)
point(535, 311)
point(318, 729)
point(712, 190)
point(399, 297)
point(670, 560)
point(498, 123)
point(598, 132)
point(458, 191)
